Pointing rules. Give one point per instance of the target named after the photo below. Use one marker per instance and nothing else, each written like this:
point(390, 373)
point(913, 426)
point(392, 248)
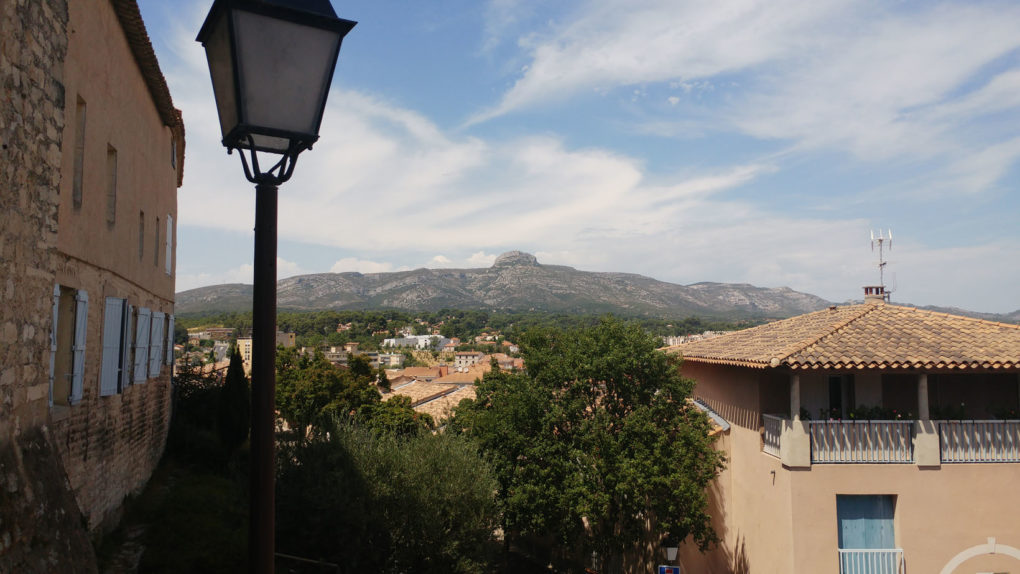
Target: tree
point(309, 389)
point(234, 405)
point(596, 443)
point(373, 502)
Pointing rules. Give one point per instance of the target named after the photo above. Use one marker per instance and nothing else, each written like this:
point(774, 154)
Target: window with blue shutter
point(53, 338)
point(113, 346)
point(127, 364)
point(156, 344)
point(170, 341)
point(142, 345)
point(81, 314)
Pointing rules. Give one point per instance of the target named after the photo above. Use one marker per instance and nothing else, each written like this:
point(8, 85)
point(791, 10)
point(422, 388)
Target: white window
point(142, 344)
point(156, 344)
point(169, 244)
point(116, 341)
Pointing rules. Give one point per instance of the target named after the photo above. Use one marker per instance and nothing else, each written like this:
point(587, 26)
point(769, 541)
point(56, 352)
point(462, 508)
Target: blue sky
point(732, 141)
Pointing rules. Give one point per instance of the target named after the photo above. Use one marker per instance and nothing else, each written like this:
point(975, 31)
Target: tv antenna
point(882, 239)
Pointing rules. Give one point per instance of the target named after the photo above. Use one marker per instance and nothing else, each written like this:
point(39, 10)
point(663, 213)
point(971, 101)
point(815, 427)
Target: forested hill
point(515, 282)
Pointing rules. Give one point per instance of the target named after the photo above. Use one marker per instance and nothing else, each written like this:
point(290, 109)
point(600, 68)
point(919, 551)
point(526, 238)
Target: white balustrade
point(980, 441)
point(773, 430)
point(862, 441)
point(860, 561)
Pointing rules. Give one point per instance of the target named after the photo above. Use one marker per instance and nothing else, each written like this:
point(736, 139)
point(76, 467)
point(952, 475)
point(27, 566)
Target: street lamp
point(271, 63)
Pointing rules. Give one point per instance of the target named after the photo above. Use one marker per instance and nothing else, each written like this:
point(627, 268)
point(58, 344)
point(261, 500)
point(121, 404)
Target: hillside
point(515, 282)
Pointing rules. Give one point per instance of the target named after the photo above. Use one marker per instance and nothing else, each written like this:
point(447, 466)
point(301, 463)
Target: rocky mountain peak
point(512, 258)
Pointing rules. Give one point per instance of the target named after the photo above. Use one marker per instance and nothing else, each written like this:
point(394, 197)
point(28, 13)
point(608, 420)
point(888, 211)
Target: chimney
point(875, 294)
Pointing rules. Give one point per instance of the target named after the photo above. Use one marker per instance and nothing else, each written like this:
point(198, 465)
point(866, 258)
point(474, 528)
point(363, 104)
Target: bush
point(374, 502)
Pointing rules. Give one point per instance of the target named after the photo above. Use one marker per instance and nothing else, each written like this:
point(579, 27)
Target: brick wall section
point(110, 445)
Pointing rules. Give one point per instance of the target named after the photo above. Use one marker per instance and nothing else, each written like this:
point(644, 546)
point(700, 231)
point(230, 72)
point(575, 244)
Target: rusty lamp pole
point(271, 63)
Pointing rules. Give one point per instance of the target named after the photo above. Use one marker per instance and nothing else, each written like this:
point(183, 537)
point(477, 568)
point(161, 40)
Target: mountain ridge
point(516, 281)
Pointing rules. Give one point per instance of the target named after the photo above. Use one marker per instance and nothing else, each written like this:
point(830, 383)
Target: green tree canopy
point(595, 440)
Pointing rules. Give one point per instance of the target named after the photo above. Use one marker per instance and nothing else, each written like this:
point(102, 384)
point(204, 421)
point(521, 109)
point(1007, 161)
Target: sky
point(688, 141)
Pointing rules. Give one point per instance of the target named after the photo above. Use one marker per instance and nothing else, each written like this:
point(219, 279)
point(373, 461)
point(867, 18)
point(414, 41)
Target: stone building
point(91, 156)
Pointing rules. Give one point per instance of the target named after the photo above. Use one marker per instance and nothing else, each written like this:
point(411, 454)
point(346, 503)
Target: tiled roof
point(420, 392)
point(872, 335)
point(468, 377)
point(442, 407)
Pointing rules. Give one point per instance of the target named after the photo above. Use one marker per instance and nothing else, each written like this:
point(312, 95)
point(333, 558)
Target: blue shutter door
point(156, 345)
point(53, 337)
point(142, 345)
point(126, 366)
point(170, 341)
point(113, 319)
point(81, 315)
point(865, 521)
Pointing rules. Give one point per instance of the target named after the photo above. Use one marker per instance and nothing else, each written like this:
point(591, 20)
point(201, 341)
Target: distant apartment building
point(467, 358)
point(92, 158)
point(863, 439)
point(220, 333)
point(244, 346)
point(421, 342)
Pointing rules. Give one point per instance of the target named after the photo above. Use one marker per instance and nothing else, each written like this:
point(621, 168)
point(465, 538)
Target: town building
point(93, 154)
point(244, 346)
point(467, 358)
point(864, 438)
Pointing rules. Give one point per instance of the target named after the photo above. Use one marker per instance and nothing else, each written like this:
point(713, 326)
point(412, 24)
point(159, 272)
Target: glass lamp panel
point(284, 70)
point(217, 52)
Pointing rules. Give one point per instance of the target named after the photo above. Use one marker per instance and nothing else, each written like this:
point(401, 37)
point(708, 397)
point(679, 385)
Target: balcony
point(979, 441)
point(890, 442)
point(836, 442)
point(860, 561)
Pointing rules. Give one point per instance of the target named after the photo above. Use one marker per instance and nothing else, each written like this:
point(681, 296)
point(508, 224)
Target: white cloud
point(360, 265)
point(481, 259)
point(440, 261)
point(240, 274)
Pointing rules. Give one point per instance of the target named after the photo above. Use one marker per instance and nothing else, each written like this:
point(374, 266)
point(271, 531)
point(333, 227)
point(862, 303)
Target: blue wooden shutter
point(113, 335)
point(156, 344)
point(53, 337)
point(142, 345)
point(81, 314)
point(126, 366)
point(170, 341)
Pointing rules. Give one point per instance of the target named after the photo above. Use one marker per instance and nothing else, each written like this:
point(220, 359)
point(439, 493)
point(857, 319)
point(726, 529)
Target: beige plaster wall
point(120, 112)
point(939, 513)
point(752, 497)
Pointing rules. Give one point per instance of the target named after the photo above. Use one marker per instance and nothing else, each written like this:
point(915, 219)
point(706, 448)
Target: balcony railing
point(884, 561)
point(773, 430)
point(861, 441)
point(980, 441)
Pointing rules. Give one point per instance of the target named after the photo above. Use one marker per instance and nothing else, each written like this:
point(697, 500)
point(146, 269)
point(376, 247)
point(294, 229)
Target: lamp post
point(271, 63)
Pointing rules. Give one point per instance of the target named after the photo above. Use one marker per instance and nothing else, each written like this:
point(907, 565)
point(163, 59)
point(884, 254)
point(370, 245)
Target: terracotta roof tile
point(871, 335)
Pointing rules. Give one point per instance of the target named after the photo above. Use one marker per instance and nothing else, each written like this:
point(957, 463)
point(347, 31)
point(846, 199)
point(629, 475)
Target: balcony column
point(795, 442)
point(922, 396)
point(927, 450)
point(795, 397)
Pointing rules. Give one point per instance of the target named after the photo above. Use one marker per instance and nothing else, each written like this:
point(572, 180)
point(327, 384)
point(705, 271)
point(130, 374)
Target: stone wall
point(41, 528)
point(33, 44)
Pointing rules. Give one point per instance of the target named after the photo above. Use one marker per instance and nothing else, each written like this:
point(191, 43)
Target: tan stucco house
point(92, 157)
point(868, 438)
